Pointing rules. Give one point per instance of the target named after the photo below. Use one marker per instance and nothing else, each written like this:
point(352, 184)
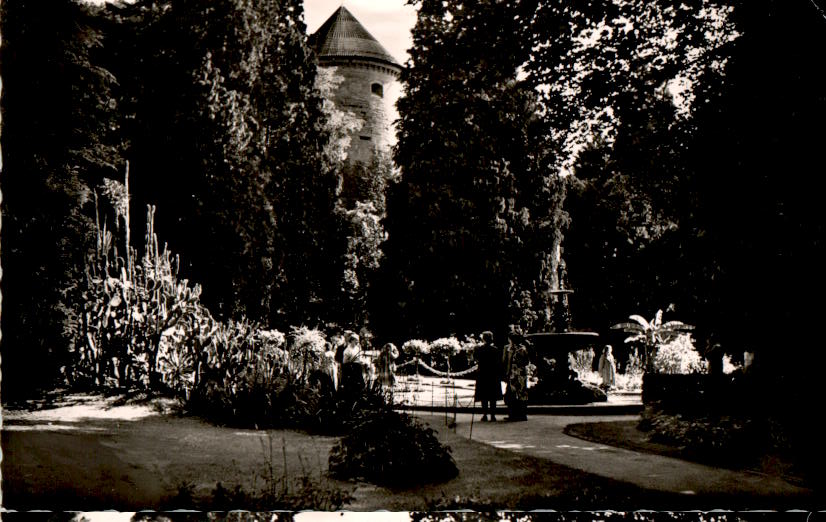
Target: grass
point(497, 479)
point(163, 461)
point(626, 434)
point(110, 458)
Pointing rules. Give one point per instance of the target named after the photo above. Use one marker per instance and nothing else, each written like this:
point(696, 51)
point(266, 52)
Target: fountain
point(557, 382)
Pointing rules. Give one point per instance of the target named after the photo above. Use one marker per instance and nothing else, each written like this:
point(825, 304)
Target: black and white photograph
point(413, 260)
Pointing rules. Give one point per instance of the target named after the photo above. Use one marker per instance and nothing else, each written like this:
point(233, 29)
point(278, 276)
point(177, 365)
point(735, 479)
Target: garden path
point(542, 436)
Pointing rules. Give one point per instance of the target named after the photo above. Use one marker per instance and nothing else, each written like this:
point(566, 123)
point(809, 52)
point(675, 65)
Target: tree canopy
point(473, 222)
point(59, 141)
point(229, 140)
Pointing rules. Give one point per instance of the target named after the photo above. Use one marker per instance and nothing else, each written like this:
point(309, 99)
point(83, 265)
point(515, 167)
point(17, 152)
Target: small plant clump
point(389, 448)
point(726, 439)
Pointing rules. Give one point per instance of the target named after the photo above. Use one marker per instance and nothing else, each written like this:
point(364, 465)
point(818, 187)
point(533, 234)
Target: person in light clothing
point(608, 368)
point(386, 367)
point(352, 364)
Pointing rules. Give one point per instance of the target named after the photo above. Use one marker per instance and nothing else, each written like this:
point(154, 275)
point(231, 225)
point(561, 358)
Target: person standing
point(517, 373)
point(386, 367)
point(488, 390)
point(607, 368)
point(352, 364)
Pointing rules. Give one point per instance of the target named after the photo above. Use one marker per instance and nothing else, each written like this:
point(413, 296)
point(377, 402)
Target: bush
point(450, 352)
point(631, 379)
point(410, 351)
point(725, 439)
point(306, 352)
point(389, 448)
point(251, 384)
point(582, 361)
point(446, 354)
point(244, 379)
point(415, 348)
point(679, 356)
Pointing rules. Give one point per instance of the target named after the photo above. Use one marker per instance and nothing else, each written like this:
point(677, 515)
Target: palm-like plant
point(652, 334)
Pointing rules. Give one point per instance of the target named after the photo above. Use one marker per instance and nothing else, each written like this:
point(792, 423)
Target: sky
point(389, 21)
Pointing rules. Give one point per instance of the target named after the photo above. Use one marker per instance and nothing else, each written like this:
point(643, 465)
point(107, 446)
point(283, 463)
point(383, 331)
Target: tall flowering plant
point(136, 314)
point(306, 351)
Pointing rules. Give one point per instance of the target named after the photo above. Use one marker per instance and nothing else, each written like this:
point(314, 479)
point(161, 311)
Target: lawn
point(625, 434)
point(92, 453)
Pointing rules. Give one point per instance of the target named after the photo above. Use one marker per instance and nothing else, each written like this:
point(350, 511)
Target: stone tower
point(367, 71)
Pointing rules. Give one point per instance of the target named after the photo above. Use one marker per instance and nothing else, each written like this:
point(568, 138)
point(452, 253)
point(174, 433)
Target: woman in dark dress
point(488, 389)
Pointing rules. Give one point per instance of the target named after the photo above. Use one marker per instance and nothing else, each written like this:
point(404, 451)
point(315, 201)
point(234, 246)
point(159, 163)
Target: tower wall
point(364, 92)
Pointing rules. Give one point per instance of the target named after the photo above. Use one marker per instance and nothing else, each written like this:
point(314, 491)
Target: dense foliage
point(697, 123)
point(227, 135)
point(59, 142)
point(679, 356)
point(362, 207)
point(619, 81)
point(682, 123)
point(474, 221)
point(216, 108)
point(652, 335)
point(135, 315)
point(389, 448)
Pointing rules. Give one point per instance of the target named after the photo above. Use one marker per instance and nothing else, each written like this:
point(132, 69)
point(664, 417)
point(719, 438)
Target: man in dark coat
point(488, 389)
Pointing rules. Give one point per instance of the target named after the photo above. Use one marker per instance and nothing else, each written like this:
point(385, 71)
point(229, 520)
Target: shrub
point(250, 380)
point(679, 356)
point(389, 448)
point(238, 376)
point(247, 382)
point(582, 361)
point(445, 349)
point(410, 351)
point(447, 353)
point(730, 366)
point(306, 352)
point(416, 347)
point(713, 438)
point(631, 379)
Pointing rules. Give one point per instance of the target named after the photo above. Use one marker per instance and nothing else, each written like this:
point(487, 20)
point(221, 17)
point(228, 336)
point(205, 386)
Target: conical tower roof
point(342, 37)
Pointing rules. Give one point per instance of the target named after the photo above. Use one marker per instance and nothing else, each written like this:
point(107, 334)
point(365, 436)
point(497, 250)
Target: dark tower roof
point(343, 38)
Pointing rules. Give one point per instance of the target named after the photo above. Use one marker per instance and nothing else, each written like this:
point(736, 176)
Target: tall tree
point(753, 211)
point(362, 206)
point(473, 219)
point(694, 118)
point(58, 144)
point(230, 143)
point(618, 81)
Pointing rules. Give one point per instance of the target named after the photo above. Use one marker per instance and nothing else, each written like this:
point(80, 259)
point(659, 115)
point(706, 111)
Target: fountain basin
point(557, 382)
